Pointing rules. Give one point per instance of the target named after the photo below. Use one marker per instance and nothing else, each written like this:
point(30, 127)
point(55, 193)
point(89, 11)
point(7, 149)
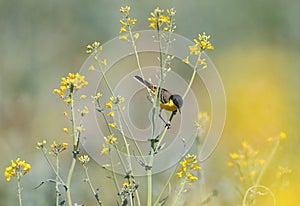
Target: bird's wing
point(165, 96)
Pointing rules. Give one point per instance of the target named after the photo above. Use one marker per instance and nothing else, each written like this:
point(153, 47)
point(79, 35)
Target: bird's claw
point(168, 125)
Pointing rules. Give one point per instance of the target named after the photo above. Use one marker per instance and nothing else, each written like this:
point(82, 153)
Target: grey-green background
point(257, 49)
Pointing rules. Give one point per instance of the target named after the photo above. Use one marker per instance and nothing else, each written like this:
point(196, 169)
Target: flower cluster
point(84, 111)
point(110, 140)
point(93, 48)
point(109, 105)
point(128, 188)
point(56, 148)
point(202, 121)
point(127, 24)
point(17, 168)
point(70, 84)
point(247, 162)
point(41, 145)
point(281, 136)
point(84, 159)
point(283, 171)
point(188, 165)
point(159, 18)
point(202, 44)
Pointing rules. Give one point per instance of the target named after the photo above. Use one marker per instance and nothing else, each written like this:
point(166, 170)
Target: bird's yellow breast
point(170, 106)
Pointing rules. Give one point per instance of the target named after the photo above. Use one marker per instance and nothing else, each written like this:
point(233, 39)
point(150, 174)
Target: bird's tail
point(142, 81)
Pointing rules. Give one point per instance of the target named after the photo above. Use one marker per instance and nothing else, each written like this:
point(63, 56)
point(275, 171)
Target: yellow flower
point(84, 111)
point(282, 135)
point(242, 179)
point(123, 23)
point(82, 96)
point(27, 167)
point(109, 104)
point(159, 17)
point(132, 21)
point(125, 9)
point(68, 100)
point(66, 130)
point(122, 29)
point(196, 167)
point(126, 184)
point(17, 168)
point(41, 145)
point(194, 50)
point(93, 48)
point(110, 139)
point(165, 19)
point(112, 125)
point(111, 114)
point(72, 83)
point(136, 35)
point(59, 92)
point(105, 149)
point(179, 174)
point(229, 164)
point(186, 60)
point(123, 37)
point(191, 177)
point(204, 42)
point(84, 159)
point(234, 156)
point(188, 165)
point(282, 171)
point(104, 62)
point(91, 68)
point(252, 173)
point(97, 96)
point(245, 145)
point(262, 161)
point(56, 148)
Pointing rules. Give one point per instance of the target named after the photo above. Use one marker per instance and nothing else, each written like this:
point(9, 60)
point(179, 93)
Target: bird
point(168, 101)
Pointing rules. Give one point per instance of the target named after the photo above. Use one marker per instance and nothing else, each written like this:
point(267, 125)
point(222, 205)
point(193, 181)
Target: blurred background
point(257, 48)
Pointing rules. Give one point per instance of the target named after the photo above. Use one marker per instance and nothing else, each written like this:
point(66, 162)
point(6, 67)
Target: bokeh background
point(257, 48)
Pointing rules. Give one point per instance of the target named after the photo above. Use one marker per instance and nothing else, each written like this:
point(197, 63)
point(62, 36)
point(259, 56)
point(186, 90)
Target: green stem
point(91, 186)
point(68, 193)
point(154, 117)
point(179, 192)
point(192, 78)
point(137, 198)
point(267, 163)
point(120, 111)
point(114, 175)
point(119, 155)
point(165, 186)
point(19, 189)
point(126, 143)
point(75, 151)
point(56, 184)
point(150, 164)
point(135, 52)
point(149, 182)
point(52, 167)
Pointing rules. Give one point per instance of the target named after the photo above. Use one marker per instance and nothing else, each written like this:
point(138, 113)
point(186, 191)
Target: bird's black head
point(177, 100)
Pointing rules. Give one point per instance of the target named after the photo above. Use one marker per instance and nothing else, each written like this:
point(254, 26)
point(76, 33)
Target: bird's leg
point(167, 123)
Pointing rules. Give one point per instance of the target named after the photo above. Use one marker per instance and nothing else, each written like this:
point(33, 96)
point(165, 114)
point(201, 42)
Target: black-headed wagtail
point(168, 101)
